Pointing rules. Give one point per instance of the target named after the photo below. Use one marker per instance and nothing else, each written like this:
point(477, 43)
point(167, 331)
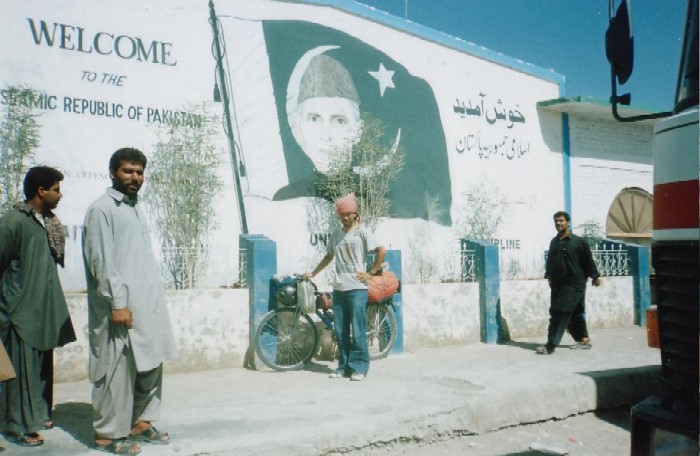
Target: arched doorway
point(630, 216)
point(630, 220)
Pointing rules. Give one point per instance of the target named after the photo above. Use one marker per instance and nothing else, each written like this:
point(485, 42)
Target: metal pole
point(227, 116)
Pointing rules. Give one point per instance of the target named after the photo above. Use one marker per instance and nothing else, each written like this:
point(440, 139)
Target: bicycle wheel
point(381, 330)
point(286, 339)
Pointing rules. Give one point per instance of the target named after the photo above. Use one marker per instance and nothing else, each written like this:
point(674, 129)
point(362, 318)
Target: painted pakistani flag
point(323, 81)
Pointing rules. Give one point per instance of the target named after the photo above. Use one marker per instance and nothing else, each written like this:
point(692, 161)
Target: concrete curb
point(490, 411)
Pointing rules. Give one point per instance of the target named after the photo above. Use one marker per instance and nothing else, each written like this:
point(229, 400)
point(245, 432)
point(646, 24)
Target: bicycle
point(287, 337)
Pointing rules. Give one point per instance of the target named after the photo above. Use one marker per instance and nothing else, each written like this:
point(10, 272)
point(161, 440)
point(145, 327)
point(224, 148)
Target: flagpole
point(227, 116)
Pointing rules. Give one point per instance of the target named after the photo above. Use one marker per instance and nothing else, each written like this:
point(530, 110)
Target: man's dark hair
point(40, 177)
point(128, 154)
point(562, 214)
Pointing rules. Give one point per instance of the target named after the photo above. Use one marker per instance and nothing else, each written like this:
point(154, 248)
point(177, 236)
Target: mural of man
point(339, 71)
point(328, 115)
point(326, 121)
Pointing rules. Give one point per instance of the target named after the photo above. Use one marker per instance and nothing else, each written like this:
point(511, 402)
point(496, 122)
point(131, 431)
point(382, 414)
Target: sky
point(567, 36)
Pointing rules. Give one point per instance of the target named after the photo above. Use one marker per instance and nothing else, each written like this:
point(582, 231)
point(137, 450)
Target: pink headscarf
point(346, 204)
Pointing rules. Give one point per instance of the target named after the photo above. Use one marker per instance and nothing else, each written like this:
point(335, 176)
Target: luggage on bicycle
point(382, 286)
point(306, 299)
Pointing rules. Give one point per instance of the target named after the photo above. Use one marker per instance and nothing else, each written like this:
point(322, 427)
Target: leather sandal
point(581, 346)
point(544, 350)
point(119, 446)
point(31, 439)
point(151, 435)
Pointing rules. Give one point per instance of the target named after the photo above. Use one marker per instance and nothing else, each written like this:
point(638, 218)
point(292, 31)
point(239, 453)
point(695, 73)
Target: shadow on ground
point(530, 346)
point(624, 387)
point(617, 417)
point(76, 419)
point(529, 453)
point(316, 367)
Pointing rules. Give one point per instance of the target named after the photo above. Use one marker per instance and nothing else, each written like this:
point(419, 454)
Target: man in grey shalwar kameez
point(130, 330)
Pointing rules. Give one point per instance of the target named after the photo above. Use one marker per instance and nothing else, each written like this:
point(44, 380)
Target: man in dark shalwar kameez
point(34, 316)
point(569, 264)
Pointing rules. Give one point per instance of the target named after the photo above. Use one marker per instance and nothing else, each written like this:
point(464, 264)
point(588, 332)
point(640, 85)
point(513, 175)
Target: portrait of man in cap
point(325, 120)
point(334, 95)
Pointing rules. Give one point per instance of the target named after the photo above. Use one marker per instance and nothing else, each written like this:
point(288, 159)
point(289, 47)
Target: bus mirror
point(619, 43)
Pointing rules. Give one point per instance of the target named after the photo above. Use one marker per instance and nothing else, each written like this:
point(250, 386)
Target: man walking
point(349, 246)
point(34, 316)
point(130, 331)
point(569, 264)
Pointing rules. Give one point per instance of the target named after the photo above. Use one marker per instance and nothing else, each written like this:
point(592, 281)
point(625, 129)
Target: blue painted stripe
point(566, 161)
point(639, 269)
point(421, 31)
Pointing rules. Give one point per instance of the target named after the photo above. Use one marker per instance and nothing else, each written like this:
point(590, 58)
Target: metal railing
point(468, 265)
point(242, 267)
point(611, 259)
point(182, 267)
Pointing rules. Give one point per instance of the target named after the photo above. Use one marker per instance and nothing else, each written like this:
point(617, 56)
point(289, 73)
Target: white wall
point(211, 326)
point(606, 157)
point(516, 157)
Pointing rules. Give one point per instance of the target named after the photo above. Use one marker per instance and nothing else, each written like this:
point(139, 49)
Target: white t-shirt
point(350, 250)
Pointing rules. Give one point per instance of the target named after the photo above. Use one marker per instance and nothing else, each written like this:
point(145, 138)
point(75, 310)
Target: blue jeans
point(350, 331)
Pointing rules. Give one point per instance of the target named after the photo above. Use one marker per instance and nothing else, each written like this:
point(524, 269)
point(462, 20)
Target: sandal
point(544, 350)
point(119, 446)
point(31, 439)
point(581, 346)
point(151, 435)
point(48, 424)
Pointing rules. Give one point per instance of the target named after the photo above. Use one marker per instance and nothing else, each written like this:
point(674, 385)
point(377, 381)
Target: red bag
point(382, 286)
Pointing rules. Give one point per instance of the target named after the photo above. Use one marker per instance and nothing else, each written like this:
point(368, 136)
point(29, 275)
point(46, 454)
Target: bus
point(675, 236)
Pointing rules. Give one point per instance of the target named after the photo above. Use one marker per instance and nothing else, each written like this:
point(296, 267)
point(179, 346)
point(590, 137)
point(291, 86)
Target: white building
point(482, 143)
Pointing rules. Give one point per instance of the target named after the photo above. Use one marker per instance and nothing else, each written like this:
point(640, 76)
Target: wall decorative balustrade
point(182, 267)
point(468, 262)
point(242, 267)
point(612, 259)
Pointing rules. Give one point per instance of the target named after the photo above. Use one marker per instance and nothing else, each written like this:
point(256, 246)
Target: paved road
point(603, 433)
